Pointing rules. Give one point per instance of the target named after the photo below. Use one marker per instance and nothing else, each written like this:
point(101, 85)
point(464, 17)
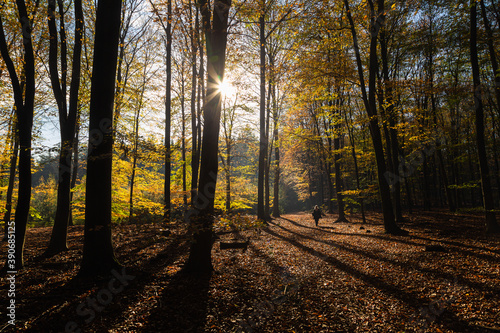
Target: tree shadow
point(458, 246)
point(182, 307)
point(357, 251)
point(282, 273)
point(412, 299)
point(63, 304)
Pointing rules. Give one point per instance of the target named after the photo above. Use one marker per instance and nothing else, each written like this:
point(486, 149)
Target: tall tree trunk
point(228, 176)
point(168, 120)
point(135, 151)
point(276, 187)
point(261, 213)
point(269, 153)
point(98, 254)
point(24, 98)
point(377, 20)
point(390, 111)
point(168, 108)
point(194, 85)
point(491, 50)
point(356, 169)
point(495, 157)
point(492, 225)
point(123, 72)
point(74, 172)
point(338, 183)
point(12, 178)
point(338, 165)
point(439, 153)
point(201, 224)
point(183, 139)
point(201, 103)
point(132, 183)
point(67, 116)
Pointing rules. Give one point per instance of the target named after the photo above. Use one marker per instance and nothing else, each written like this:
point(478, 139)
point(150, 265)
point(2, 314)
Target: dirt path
point(293, 277)
point(350, 277)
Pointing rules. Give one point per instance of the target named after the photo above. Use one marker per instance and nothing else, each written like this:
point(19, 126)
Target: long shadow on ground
point(413, 300)
point(63, 304)
point(447, 276)
point(182, 305)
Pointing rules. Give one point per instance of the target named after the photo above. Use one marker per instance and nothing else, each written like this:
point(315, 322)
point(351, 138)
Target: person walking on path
point(317, 214)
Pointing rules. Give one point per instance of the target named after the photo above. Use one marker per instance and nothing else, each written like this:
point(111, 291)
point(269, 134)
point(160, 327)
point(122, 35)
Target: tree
point(228, 118)
point(24, 98)
point(139, 102)
point(195, 123)
point(168, 110)
point(98, 254)
point(492, 225)
point(68, 113)
point(369, 100)
point(261, 209)
point(388, 108)
point(168, 105)
point(14, 147)
point(215, 25)
point(263, 174)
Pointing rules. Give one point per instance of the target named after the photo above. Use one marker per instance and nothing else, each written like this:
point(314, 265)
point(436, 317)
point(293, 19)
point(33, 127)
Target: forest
point(186, 142)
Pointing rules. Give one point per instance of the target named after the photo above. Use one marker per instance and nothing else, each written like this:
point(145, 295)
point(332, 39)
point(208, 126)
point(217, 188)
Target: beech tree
point(146, 61)
point(98, 253)
point(23, 86)
point(377, 19)
point(167, 28)
point(14, 148)
point(492, 225)
point(68, 111)
point(264, 33)
point(214, 25)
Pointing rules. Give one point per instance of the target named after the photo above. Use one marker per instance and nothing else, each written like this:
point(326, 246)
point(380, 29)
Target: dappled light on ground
point(291, 276)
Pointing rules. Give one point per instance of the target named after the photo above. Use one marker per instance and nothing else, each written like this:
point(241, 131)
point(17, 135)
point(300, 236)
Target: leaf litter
point(293, 277)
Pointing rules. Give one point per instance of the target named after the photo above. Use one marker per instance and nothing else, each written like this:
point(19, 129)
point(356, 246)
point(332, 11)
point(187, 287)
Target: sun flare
point(227, 89)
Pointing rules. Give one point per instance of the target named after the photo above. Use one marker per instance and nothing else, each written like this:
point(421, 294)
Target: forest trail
point(293, 277)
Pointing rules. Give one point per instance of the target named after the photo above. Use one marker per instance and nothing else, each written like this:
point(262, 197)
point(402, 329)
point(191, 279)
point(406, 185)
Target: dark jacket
point(317, 214)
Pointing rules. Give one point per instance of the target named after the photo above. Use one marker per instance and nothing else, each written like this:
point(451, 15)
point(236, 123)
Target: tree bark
point(168, 111)
point(376, 22)
point(183, 138)
point(338, 165)
point(74, 172)
point(228, 176)
point(135, 151)
point(269, 152)
point(491, 50)
point(356, 169)
point(98, 253)
point(24, 99)
point(491, 223)
point(276, 194)
point(194, 123)
point(261, 213)
point(215, 26)
point(12, 178)
point(392, 137)
point(67, 116)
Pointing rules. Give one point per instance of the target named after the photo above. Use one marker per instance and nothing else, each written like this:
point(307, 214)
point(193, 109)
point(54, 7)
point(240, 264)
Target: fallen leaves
point(292, 278)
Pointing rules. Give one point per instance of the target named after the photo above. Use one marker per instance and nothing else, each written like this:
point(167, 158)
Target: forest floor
point(293, 277)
